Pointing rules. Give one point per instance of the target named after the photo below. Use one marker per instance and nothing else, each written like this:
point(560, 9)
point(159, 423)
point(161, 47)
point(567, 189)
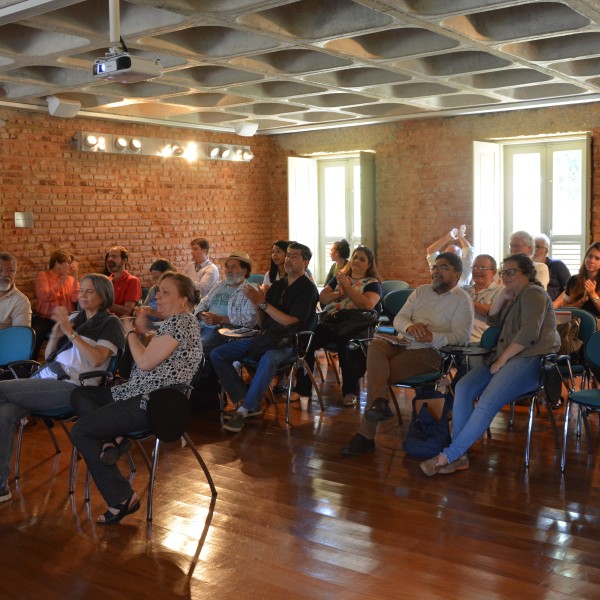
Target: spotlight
point(176, 149)
point(135, 145)
point(247, 155)
point(120, 144)
point(226, 153)
point(90, 141)
point(214, 153)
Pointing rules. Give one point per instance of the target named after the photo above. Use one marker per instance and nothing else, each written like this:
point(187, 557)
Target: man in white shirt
point(521, 242)
point(202, 271)
point(15, 308)
point(434, 315)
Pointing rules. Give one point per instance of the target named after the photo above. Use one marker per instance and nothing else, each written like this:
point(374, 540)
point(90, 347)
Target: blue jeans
point(18, 397)
point(470, 421)
point(222, 359)
point(101, 419)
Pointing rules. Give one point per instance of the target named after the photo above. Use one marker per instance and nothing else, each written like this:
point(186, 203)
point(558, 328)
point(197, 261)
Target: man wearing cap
point(227, 302)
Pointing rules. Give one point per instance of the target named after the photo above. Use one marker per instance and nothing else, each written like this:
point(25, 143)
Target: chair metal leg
point(72, 466)
point(318, 365)
point(200, 460)
point(18, 451)
point(563, 458)
point(395, 401)
point(331, 361)
point(289, 393)
point(588, 432)
point(511, 418)
point(152, 478)
point(529, 429)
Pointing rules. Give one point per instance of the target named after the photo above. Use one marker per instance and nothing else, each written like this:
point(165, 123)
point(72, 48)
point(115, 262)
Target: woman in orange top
point(58, 286)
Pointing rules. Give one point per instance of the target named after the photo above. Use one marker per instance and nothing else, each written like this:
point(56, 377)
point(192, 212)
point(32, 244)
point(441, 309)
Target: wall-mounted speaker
point(245, 129)
point(62, 108)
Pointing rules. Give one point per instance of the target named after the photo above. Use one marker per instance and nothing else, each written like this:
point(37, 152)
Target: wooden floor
point(294, 519)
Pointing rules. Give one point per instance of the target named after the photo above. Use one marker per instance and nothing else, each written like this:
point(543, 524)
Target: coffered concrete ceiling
point(297, 65)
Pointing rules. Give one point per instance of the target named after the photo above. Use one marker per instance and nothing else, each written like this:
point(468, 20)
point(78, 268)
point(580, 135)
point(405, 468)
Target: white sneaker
point(5, 494)
point(349, 400)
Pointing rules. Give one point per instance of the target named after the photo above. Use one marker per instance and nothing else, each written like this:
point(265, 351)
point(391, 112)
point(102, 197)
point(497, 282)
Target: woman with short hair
point(106, 414)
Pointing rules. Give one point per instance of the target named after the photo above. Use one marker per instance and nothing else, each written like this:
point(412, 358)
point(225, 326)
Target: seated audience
point(526, 315)
point(355, 286)
point(455, 242)
point(339, 254)
point(170, 358)
point(54, 287)
point(227, 302)
point(521, 242)
point(434, 315)
point(277, 269)
point(202, 271)
point(287, 306)
point(15, 308)
point(85, 341)
point(483, 292)
point(157, 268)
point(128, 289)
point(583, 289)
point(559, 272)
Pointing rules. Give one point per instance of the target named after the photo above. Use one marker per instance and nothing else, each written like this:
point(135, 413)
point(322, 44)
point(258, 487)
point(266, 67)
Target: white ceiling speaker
point(245, 129)
point(62, 108)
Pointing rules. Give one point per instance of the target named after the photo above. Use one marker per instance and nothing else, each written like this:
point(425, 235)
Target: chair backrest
point(16, 343)
point(591, 351)
point(256, 278)
point(490, 336)
point(391, 285)
point(169, 413)
point(394, 301)
point(587, 324)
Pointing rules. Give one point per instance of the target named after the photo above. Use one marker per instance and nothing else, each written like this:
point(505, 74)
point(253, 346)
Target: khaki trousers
point(388, 364)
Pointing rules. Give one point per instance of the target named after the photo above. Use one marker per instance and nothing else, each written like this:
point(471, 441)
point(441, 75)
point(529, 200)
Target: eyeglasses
point(442, 268)
point(482, 269)
point(509, 272)
point(537, 247)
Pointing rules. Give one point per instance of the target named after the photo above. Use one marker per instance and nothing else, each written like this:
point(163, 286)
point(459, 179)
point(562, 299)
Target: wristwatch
point(262, 306)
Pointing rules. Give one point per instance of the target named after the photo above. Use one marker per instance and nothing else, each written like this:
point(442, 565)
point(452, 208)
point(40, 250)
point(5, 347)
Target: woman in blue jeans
point(525, 314)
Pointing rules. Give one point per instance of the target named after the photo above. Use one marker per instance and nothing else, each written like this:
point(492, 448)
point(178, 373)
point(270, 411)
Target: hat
point(237, 255)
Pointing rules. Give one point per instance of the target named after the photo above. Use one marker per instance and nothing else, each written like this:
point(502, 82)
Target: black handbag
point(348, 321)
point(278, 336)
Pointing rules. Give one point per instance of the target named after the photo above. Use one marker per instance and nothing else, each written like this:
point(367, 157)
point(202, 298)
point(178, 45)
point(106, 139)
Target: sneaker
point(236, 423)
point(349, 400)
point(251, 413)
point(358, 445)
point(379, 411)
point(5, 494)
point(460, 464)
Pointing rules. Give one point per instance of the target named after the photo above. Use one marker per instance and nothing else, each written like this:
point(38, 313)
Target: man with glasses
point(559, 272)
point(521, 242)
point(434, 315)
point(287, 306)
point(15, 308)
point(483, 292)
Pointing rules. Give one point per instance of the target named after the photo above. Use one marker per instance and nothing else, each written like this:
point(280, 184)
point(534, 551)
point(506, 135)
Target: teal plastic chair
point(16, 344)
point(392, 285)
point(588, 400)
point(256, 278)
point(391, 305)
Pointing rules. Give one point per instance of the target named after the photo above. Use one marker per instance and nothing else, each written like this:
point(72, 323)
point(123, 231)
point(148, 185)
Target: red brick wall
point(424, 172)
point(154, 206)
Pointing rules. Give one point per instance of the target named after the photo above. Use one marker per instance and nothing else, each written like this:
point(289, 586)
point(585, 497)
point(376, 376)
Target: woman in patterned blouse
point(170, 358)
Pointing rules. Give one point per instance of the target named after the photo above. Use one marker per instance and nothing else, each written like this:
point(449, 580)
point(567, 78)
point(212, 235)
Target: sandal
point(125, 508)
point(112, 451)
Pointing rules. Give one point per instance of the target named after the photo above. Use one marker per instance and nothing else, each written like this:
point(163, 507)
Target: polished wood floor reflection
point(294, 519)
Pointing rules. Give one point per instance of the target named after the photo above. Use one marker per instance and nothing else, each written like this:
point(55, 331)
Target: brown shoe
point(431, 467)
point(460, 464)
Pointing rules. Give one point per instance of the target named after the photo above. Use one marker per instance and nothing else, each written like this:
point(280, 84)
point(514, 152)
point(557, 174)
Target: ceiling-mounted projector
point(126, 68)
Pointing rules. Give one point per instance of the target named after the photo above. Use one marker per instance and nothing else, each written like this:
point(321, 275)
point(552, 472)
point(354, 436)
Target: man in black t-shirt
point(290, 301)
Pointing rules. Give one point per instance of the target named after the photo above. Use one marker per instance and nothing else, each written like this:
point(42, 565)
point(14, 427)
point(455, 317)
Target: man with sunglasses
point(434, 315)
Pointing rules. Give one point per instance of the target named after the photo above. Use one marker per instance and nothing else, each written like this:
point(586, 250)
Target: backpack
point(429, 430)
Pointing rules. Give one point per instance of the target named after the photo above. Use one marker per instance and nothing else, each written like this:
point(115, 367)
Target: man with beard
point(434, 315)
point(128, 289)
point(227, 302)
point(15, 308)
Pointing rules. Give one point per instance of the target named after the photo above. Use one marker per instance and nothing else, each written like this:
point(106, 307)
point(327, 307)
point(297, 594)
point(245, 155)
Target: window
point(330, 199)
point(545, 189)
